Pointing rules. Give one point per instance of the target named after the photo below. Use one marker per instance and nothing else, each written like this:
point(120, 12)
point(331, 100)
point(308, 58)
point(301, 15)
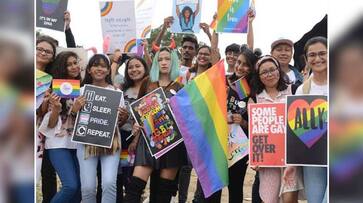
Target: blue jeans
point(66, 165)
point(315, 184)
point(88, 171)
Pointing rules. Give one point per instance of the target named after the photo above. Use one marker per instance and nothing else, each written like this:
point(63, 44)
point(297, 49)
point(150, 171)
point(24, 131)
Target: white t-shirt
point(291, 76)
point(314, 89)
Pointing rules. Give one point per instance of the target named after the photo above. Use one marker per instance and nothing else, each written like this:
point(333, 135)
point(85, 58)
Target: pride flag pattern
point(242, 88)
point(66, 88)
point(200, 110)
point(233, 16)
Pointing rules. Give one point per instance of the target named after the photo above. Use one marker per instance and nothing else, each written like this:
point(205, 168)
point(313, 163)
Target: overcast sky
point(274, 19)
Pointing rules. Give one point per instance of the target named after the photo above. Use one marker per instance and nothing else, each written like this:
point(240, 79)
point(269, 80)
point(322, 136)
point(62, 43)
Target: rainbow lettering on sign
point(106, 8)
point(66, 88)
point(49, 6)
point(233, 16)
point(308, 122)
point(149, 126)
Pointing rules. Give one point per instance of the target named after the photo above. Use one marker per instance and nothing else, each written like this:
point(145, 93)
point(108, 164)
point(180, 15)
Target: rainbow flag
point(200, 110)
point(66, 88)
point(43, 81)
point(242, 88)
point(233, 16)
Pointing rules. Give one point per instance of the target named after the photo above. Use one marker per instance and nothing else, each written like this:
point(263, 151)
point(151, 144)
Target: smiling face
point(231, 58)
point(99, 71)
point(164, 60)
point(73, 67)
point(316, 56)
point(242, 69)
point(44, 53)
point(269, 74)
point(283, 53)
point(203, 56)
point(135, 70)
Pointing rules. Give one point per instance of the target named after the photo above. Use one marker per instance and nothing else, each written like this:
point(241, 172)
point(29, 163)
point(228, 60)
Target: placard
point(306, 141)
point(233, 16)
point(119, 24)
point(50, 14)
point(238, 144)
point(187, 16)
point(267, 126)
point(144, 16)
point(96, 121)
point(161, 133)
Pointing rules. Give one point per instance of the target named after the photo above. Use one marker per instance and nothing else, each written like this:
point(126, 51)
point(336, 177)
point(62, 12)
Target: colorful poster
point(238, 144)
point(267, 124)
point(186, 16)
point(50, 14)
point(144, 16)
point(306, 142)
point(119, 25)
point(66, 88)
point(43, 81)
point(232, 16)
point(96, 121)
point(161, 133)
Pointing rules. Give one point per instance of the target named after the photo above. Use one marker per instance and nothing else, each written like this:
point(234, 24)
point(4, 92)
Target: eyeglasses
point(321, 54)
point(267, 72)
point(46, 51)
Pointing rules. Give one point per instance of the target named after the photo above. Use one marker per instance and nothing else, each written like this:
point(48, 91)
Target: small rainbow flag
point(149, 127)
point(66, 88)
point(242, 88)
point(43, 82)
point(200, 110)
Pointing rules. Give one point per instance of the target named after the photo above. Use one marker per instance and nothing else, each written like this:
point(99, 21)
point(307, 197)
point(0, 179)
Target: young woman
point(163, 73)
point(271, 86)
point(244, 69)
point(98, 73)
point(45, 54)
point(136, 70)
point(315, 51)
point(57, 127)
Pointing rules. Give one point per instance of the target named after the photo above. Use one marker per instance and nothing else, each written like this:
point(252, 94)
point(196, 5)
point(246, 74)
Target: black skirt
point(174, 158)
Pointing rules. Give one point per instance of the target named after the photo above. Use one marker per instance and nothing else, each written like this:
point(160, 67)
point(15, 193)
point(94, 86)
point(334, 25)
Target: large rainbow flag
point(200, 110)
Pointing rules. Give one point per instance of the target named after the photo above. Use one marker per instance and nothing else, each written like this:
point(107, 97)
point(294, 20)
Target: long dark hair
point(258, 86)
point(251, 60)
point(194, 69)
point(128, 82)
point(187, 8)
point(59, 71)
point(94, 61)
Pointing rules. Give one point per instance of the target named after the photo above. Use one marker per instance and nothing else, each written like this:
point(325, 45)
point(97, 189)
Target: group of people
point(95, 174)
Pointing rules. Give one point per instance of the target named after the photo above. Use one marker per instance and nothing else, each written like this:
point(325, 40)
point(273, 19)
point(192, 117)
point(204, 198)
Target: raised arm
point(71, 43)
point(250, 40)
point(167, 23)
point(177, 11)
point(196, 9)
point(147, 56)
point(114, 63)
